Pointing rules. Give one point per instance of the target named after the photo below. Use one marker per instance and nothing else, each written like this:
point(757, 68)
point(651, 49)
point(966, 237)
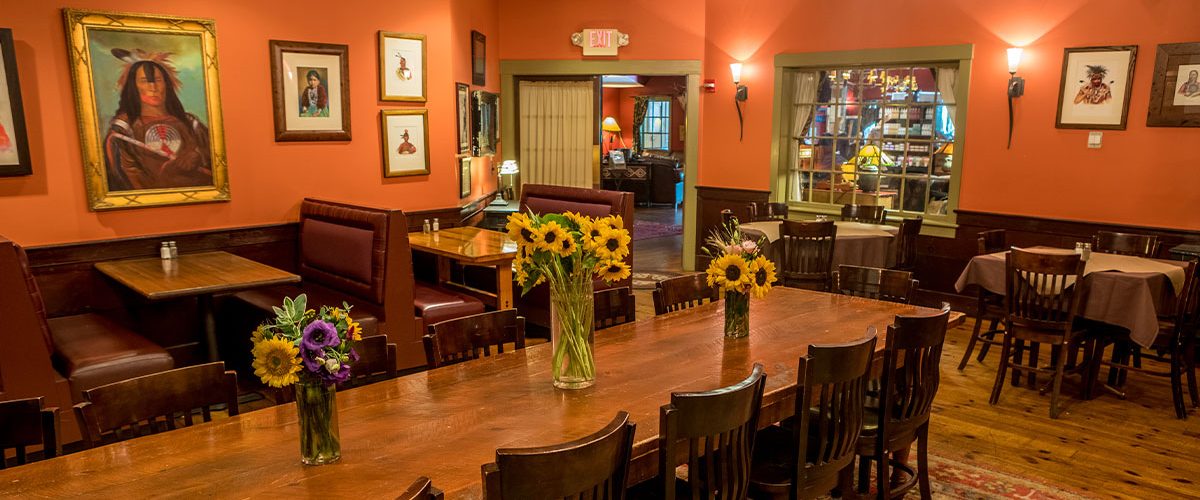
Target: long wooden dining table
point(445, 423)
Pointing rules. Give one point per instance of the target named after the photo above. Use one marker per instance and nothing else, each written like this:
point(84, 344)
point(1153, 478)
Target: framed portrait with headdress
point(401, 67)
point(405, 142)
point(1175, 91)
point(149, 108)
point(310, 87)
point(1095, 89)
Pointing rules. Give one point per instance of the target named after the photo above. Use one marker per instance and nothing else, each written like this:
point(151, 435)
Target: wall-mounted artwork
point(478, 58)
point(1096, 83)
point(147, 96)
point(401, 67)
point(1175, 91)
point(485, 119)
point(310, 85)
point(405, 142)
point(462, 100)
point(464, 176)
point(14, 144)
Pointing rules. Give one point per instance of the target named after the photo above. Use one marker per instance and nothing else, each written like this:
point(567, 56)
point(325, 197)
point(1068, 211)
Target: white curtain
point(946, 80)
point(805, 92)
point(556, 133)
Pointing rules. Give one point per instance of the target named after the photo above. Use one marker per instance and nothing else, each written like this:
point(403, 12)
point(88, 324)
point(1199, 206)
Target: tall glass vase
point(316, 405)
point(571, 334)
point(737, 314)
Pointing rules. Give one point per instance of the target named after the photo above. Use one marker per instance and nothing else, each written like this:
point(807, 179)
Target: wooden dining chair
point(683, 292)
point(807, 254)
point(1175, 346)
point(989, 306)
point(909, 382)
point(421, 489)
point(817, 454)
point(155, 403)
point(376, 361)
point(906, 244)
point(870, 214)
point(717, 428)
point(728, 219)
point(1139, 245)
point(769, 211)
point(594, 467)
point(874, 283)
point(615, 306)
point(473, 337)
point(992, 241)
point(25, 423)
point(1042, 294)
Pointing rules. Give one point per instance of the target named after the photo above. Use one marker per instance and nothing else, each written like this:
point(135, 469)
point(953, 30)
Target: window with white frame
point(656, 128)
point(872, 135)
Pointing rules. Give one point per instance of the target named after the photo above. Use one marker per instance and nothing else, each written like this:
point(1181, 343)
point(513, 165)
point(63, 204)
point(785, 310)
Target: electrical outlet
point(1094, 139)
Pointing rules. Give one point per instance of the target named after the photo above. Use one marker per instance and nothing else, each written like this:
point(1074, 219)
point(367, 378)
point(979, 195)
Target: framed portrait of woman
point(14, 144)
point(310, 85)
point(1175, 91)
point(405, 142)
point(149, 107)
point(401, 67)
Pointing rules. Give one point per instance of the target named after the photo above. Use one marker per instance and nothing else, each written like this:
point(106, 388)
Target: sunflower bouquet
point(566, 251)
point(738, 268)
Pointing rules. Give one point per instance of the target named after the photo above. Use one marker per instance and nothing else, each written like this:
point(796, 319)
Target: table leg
point(207, 318)
point(504, 286)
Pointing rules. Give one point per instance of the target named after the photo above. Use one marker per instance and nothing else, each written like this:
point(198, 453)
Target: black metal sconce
point(740, 96)
point(1016, 86)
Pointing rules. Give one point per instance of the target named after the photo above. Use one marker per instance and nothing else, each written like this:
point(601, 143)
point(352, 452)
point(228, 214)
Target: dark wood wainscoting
point(468, 215)
point(710, 201)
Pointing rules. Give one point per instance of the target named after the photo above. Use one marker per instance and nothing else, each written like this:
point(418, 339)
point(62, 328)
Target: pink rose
point(749, 246)
point(733, 249)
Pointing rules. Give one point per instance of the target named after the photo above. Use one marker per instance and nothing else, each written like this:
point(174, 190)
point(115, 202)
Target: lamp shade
point(736, 70)
point(508, 167)
point(1014, 58)
point(610, 125)
point(946, 149)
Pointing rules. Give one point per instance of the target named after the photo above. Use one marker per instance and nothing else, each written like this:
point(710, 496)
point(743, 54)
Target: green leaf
point(301, 302)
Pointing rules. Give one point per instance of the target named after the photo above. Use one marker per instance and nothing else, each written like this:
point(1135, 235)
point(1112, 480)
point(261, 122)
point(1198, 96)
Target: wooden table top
point(445, 423)
point(193, 274)
point(471, 245)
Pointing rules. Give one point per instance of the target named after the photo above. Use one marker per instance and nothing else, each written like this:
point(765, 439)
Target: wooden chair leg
point(864, 475)
point(923, 462)
point(1189, 357)
point(971, 343)
point(1005, 349)
point(1177, 388)
point(883, 486)
point(1093, 354)
point(983, 350)
point(1034, 359)
point(846, 483)
point(1059, 369)
point(1018, 355)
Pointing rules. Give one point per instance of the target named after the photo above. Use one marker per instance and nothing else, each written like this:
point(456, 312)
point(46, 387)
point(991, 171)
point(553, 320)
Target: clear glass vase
point(571, 334)
point(316, 405)
point(737, 314)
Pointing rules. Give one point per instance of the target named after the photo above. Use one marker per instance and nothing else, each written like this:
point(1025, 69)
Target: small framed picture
point(14, 144)
point(1175, 91)
point(401, 67)
point(478, 58)
point(405, 142)
point(310, 84)
point(1096, 82)
point(464, 177)
point(462, 100)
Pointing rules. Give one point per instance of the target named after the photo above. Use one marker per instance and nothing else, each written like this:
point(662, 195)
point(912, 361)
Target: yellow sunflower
point(588, 233)
point(565, 246)
point(578, 219)
point(763, 272)
point(729, 272)
point(520, 228)
point(276, 362)
point(262, 332)
point(549, 237)
point(354, 329)
point(612, 244)
point(613, 270)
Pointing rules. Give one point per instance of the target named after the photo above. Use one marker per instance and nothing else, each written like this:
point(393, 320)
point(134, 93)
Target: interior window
point(656, 129)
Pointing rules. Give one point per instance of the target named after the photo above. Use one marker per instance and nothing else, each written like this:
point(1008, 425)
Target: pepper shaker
point(425, 227)
point(174, 249)
point(164, 252)
point(1087, 251)
point(435, 225)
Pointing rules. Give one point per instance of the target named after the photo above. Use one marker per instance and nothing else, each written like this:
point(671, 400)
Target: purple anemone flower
point(319, 334)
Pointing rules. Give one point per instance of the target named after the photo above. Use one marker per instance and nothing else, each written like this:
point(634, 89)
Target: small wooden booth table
point(197, 274)
point(477, 247)
point(856, 243)
point(1130, 292)
point(447, 422)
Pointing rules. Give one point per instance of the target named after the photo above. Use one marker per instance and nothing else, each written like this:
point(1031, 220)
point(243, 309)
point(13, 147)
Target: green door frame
point(511, 69)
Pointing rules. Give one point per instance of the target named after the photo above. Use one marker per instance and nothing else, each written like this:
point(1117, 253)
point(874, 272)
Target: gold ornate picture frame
point(402, 67)
point(148, 103)
point(405, 135)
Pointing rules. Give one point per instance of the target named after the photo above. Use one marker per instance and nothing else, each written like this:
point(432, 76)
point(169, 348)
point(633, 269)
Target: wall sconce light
point(1016, 85)
point(736, 70)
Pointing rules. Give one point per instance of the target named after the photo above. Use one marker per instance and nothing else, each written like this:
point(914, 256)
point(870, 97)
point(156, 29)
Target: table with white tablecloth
point(856, 243)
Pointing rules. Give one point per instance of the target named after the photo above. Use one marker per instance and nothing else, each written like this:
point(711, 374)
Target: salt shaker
point(1087, 251)
point(174, 249)
point(1078, 248)
point(435, 224)
point(164, 252)
point(425, 227)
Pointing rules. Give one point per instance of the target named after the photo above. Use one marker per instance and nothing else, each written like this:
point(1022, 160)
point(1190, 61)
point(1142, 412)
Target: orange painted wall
point(1048, 172)
point(610, 105)
point(663, 29)
point(268, 179)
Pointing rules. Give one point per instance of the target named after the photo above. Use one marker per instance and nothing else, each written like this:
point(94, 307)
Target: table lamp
point(508, 167)
point(610, 125)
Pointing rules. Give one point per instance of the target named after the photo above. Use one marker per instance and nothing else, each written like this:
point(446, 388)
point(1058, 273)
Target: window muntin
point(656, 128)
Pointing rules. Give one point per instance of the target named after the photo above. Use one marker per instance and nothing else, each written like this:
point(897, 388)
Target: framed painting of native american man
point(14, 144)
point(310, 86)
point(1095, 88)
point(405, 142)
point(149, 108)
point(401, 67)
point(1175, 91)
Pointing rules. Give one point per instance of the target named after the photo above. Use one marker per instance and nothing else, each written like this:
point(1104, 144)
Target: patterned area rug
point(646, 280)
point(953, 479)
point(644, 229)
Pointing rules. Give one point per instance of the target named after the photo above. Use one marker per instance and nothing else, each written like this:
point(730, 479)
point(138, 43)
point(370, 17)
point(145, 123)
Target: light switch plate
point(1094, 139)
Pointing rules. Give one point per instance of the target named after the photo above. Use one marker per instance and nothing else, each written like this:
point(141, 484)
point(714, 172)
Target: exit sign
point(600, 42)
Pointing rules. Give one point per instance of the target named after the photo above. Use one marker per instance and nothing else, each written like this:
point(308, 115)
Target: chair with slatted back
point(874, 283)
point(909, 381)
point(777, 211)
point(683, 292)
point(807, 254)
point(1042, 293)
point(1175, 346)
point(153, 403)
point(906, 244)
point(1140, 245)
point(25, 423)
point(376, 361)
point(472, 337)
point(717, 427)
point(615, 306)
point(593, 467)
point(989, 306)
point(728, 219)
point(870, 214)
point(992, 241)
point(421, 489)
point(817, 454)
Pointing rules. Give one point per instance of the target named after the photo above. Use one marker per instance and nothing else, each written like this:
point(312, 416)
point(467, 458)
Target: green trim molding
point(935, 225)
